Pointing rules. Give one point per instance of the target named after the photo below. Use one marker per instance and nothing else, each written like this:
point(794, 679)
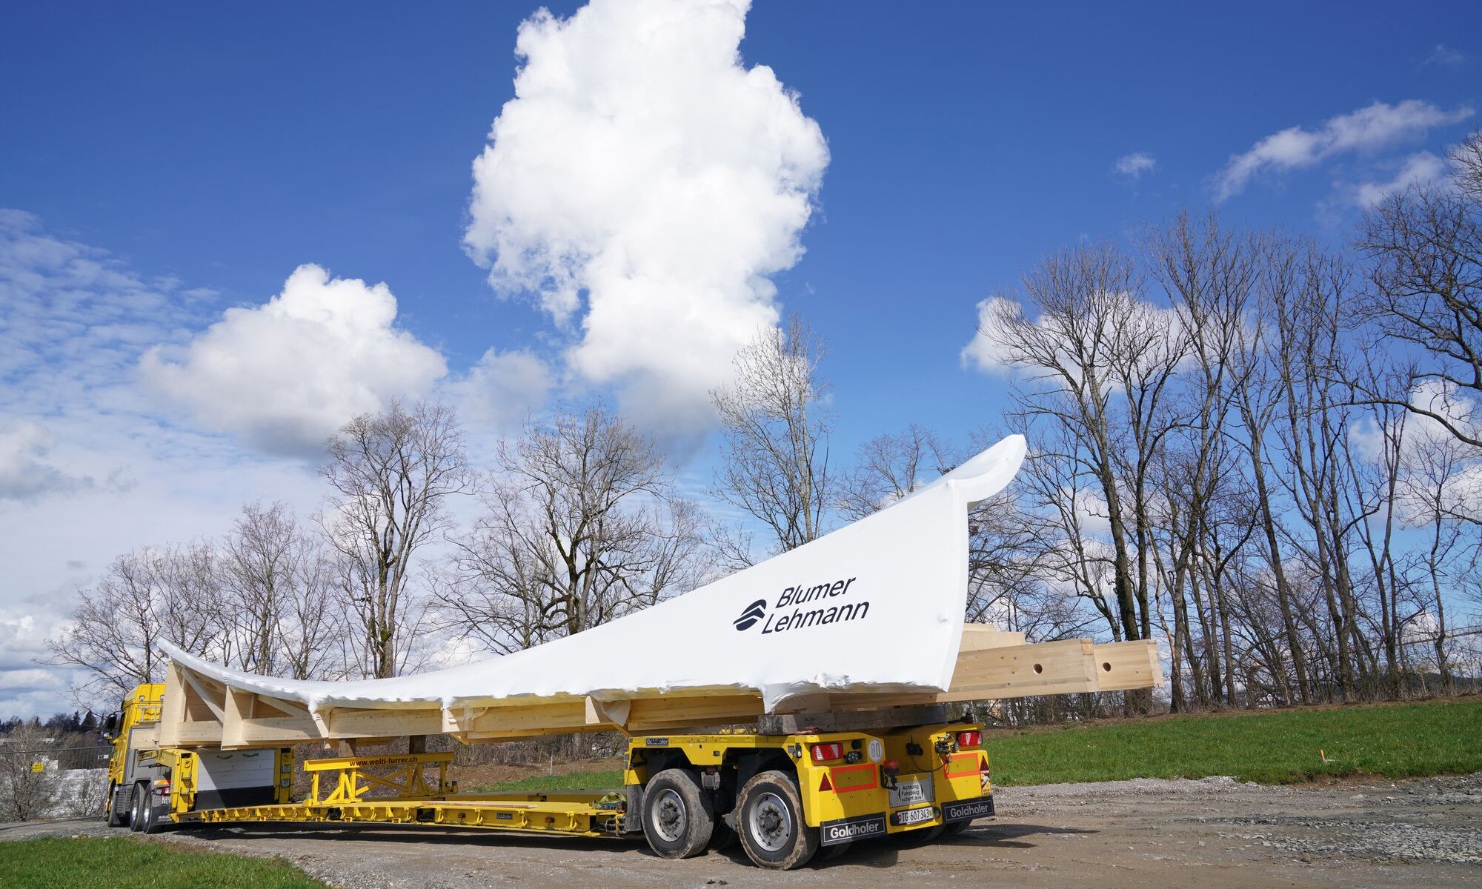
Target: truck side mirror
point(110, 725)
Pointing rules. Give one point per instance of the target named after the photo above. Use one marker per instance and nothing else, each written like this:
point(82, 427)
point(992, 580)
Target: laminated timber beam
point(991, 665)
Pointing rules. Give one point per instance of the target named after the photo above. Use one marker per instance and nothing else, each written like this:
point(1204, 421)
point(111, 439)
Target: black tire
point(152, 821)
point(769, 818)
point(136, 808)
point(116, 818)
point(955, 829)
point(678, 818)
point(723, 837)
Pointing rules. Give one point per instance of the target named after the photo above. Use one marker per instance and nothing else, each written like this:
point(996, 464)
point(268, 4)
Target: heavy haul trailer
point(844, 652)
point(784, 796)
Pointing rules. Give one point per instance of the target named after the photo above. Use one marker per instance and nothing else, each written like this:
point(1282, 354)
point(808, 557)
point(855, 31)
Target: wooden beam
point(1015, 671)
point(1122, 666)
point(172, 708)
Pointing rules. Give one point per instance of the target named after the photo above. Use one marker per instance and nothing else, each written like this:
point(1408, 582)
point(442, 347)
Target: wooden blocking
point(529, 719)
point(665, 713)
point(850, 721)
point(344, 722)
point(1017, 671)
point(1122, 666)
point(976, 637)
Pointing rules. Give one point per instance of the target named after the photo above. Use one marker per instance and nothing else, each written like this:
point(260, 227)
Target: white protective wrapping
point(882, 612)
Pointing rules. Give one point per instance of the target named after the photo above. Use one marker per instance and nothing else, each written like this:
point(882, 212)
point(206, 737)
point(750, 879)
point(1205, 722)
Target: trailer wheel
point(116, 816)
point(769, 818)
point(678, 817)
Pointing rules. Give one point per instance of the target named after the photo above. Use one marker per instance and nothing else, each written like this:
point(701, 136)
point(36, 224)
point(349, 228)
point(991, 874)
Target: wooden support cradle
point(991, 665)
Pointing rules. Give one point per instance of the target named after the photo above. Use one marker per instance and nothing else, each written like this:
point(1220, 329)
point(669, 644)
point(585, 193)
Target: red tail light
point(969, 739)
point(826, 752)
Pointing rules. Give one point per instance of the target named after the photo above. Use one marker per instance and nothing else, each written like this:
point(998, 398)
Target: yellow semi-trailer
point(785, 796)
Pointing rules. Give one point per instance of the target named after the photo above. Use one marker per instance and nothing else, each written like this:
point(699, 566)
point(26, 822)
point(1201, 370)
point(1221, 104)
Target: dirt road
point(1143, 834)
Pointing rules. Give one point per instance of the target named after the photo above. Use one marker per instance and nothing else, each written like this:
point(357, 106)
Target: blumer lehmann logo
point(812, 606)
point(753, 613)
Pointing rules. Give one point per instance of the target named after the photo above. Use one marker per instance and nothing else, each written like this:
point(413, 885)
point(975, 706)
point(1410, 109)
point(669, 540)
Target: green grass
point(1281, 747)
point(1269, 747)
point(128, 863)
point(608, 780)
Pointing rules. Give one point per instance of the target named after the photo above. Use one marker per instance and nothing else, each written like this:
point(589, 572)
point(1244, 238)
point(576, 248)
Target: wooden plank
point(1123, 666)
point(976, 637)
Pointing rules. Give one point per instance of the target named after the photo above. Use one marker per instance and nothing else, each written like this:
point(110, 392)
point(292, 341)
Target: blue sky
point(167, 167)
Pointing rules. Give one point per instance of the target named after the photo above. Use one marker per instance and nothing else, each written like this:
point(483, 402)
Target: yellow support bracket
point(403, 775)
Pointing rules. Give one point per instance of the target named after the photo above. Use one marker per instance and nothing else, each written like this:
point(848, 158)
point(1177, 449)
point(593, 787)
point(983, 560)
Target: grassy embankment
point(126, 863)
point(1270, 747)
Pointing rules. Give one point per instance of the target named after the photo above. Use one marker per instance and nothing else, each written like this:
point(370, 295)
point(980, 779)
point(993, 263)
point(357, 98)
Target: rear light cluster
point(969, 739)
point(826, 752)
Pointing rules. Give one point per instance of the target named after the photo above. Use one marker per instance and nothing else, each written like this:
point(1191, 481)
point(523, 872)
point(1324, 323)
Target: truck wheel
point(677, 817)
point(769, 818)
point(136, 808)
point(116, 816)
point(152, 822)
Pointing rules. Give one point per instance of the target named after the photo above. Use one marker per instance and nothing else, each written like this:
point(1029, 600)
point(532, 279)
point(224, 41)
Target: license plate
point(913, 816)
point(909, 791)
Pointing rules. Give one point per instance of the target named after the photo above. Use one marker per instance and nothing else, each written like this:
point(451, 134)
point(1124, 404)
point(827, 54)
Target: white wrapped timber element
point(874, 607)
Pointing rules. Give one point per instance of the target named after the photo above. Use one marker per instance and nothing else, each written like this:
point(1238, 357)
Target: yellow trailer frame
point(401, 789)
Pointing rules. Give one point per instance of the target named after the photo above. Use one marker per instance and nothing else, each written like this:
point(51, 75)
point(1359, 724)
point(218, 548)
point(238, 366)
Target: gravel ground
point(1212, 833)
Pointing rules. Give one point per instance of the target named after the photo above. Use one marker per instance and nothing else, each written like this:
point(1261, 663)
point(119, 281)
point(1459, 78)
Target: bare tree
point(1102, 362)
point(279, 587)
point(142, 598)
point(1425, 275)
point(776, 458)
point(392, 473)
point(1435, 493)
point(1208, 273)
point(581, 526)
point(27, 793)
point(888, 467)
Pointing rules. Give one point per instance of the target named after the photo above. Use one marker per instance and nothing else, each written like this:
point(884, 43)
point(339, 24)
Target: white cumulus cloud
point(644, 183)
point(25, 470)
point(503, 388)
point(1373, 127)
point(986, 351)
point(287, 374)
point(1422, 168)
point(1136, 164)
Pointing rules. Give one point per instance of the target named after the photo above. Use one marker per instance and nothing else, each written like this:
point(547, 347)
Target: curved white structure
point(876, 606)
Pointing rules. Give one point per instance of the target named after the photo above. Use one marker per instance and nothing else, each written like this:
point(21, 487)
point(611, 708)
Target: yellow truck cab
point(131, 729)
point(148, 784)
